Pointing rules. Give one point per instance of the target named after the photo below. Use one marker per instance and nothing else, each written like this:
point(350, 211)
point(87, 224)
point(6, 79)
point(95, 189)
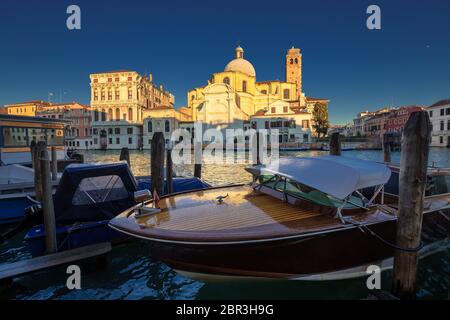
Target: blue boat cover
point(179, 184)
point(90, 192)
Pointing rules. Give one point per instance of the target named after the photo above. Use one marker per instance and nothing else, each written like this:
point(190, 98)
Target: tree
point(320, 119)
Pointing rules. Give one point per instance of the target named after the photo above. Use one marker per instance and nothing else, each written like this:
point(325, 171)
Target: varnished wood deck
point(244, 215)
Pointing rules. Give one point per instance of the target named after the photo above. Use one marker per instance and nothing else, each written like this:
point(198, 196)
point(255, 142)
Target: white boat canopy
point(335, 175)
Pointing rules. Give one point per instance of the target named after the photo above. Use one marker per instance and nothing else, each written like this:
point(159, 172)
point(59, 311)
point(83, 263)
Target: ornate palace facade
point(118, 101)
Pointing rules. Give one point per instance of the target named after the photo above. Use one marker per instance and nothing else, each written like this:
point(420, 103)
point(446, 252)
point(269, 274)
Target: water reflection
point(130, 273)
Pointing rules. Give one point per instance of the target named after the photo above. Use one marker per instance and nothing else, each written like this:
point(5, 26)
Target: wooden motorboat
point(302, 218)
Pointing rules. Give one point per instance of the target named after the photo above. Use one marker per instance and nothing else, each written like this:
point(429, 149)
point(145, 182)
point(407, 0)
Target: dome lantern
point(239, 53)
point(239, 64)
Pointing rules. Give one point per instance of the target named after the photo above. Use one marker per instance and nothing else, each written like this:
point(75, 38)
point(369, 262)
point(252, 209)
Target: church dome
point(240, 64)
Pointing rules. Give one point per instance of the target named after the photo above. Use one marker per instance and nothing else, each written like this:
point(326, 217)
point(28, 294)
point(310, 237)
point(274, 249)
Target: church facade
point(234, 97)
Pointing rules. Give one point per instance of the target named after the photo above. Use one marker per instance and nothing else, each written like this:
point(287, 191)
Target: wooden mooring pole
point(335, 144)
point(169, 171)
point(386, 148)
point(47, 199)
point(54, 164)
point(256, 149)
point(157, 162)
point(125, 155)
point(36, 150)
point(198, 159)
point(413, 177)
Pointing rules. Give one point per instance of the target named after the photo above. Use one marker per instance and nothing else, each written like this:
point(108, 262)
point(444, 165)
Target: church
point(233, 98)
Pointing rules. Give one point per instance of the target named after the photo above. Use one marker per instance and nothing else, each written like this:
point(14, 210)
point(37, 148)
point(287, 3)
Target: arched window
point(296, 60)
point(150, 126)
point(292, 61)
point(130, 114)
point(117, 114)
point(110, 114)
point(286, 94)
point(244, 86)
point(226, 80)
point(95, 115)
point(103, 115)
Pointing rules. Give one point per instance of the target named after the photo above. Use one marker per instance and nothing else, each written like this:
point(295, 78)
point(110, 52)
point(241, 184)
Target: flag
point(155, 199)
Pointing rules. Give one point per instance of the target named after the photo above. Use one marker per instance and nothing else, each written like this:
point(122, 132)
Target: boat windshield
point(304, 192)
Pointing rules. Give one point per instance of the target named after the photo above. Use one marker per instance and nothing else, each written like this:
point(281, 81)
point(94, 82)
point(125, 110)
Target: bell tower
point(294, 68)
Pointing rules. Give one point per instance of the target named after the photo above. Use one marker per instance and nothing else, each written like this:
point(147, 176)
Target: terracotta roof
point(70, 105)
point(184, 110)
point(316, 99)
point(260, 112)
point(27, 102)
point(440, 103)
point(161, 107)
point(298, 110)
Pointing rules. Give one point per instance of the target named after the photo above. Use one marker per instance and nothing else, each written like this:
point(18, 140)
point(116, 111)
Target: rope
point(361, 227)
point(69, 233)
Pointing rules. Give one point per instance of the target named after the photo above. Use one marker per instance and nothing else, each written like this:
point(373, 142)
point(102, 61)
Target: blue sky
point(183, 42)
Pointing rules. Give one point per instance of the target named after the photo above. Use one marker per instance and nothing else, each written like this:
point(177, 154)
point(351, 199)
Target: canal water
point(129, 273)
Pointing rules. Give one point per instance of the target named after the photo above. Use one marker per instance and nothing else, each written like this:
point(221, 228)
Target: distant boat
point(302, 218)
point(327, 148)
point(294, 149)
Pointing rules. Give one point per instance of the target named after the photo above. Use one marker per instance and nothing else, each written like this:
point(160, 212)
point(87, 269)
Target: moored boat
point(302, 218)
point(87, 197)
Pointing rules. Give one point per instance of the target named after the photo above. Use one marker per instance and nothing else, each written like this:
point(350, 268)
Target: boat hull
point(306, 257)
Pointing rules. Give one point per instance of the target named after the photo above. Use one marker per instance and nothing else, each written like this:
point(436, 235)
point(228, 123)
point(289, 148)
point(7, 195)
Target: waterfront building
point(386, 120)
point(78, 133)
point(398, 117)
point(163, 119)
point(440, 119)
point(118, 102)
point(359, 123)
point(28, 108)
point(233, 97)
point(293, 124)
point(375, 126)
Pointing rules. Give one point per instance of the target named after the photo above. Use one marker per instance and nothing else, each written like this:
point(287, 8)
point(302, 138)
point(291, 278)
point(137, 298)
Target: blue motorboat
point(87, 197)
